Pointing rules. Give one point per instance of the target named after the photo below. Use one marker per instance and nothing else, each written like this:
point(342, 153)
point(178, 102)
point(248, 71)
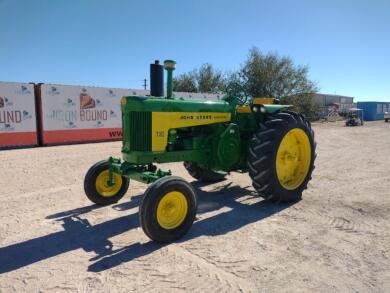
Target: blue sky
point(110, 43)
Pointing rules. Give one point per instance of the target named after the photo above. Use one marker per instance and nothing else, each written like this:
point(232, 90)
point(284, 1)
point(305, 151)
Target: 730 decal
point(160, 133)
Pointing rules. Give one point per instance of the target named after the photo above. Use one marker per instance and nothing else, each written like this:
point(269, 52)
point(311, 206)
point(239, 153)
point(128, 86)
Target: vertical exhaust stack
point(156, 79)
point(170, 66)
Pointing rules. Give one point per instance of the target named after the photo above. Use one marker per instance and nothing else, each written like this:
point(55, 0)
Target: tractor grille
point(140, 131)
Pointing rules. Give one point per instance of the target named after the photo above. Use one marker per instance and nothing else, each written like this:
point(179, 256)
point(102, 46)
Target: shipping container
point(18, 125)
point(374, 110)
point(75, 114)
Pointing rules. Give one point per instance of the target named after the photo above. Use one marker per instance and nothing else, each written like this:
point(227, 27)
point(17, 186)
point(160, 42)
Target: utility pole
point(144, 84)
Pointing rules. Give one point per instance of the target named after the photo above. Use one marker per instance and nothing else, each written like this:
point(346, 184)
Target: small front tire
point(168, 209)
point(96, 184)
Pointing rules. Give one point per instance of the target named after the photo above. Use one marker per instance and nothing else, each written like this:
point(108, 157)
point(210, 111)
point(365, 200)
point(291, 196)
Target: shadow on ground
point(79, 233)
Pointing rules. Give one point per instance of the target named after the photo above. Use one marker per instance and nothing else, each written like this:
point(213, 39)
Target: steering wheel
point(242, 100)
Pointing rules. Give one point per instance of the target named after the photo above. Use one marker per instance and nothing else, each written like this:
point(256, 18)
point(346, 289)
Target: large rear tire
point(96, 184)
point(203, 174)
point(281, 157)
point(168, 209)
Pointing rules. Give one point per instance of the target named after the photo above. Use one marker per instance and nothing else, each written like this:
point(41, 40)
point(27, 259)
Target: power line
point(144, 84)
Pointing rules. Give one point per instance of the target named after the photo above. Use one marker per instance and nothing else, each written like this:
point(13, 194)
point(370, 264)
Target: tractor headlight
point(258, 108)
point(123, 101)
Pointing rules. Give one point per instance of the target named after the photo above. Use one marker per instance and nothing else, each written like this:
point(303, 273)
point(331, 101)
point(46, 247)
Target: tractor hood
point(152, 104)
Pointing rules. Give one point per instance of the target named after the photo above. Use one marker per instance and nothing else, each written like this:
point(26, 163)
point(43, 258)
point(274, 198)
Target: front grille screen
point(140, 131)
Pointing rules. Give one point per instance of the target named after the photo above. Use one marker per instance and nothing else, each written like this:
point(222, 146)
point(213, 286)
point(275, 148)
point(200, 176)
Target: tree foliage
point(206, 79)
point(272, 76)
point(185, 82)
point(234, 85)
point(210, 80)
point(261, 75)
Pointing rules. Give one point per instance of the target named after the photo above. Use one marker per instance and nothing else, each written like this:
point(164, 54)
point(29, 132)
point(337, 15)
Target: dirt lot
point(52, 239)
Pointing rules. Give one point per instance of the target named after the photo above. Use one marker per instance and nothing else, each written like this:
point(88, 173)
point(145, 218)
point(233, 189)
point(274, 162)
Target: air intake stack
point(170, 66)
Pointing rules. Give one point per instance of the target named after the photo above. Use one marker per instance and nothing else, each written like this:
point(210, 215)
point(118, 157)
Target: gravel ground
point(52, 239)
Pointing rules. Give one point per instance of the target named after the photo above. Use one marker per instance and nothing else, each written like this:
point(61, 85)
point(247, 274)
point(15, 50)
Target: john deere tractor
point(212, 138)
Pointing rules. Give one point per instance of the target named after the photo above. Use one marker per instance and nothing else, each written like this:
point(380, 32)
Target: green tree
point(261, 75)
point(209, 80)
point(272, 76)
point(206, 79)
point(185, 82)
point(234, 85)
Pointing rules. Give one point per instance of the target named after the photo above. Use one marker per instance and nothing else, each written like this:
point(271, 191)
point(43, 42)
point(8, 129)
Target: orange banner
point(81, 135)
point(18, 139)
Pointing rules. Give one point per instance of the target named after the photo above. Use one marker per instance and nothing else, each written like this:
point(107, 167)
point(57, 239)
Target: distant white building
point(325, 99)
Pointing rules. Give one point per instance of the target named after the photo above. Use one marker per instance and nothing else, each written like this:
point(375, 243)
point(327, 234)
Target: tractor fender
point(274, 108)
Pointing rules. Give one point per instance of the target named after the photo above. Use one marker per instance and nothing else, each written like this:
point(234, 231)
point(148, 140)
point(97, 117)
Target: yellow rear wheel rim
point(293, 159)
point(172, 210)
point(102, 186)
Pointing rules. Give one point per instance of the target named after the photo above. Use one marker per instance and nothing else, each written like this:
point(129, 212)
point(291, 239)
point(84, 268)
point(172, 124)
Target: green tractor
point(212, 138)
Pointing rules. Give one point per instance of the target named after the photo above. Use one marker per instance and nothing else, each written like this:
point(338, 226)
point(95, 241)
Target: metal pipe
point(169, 66)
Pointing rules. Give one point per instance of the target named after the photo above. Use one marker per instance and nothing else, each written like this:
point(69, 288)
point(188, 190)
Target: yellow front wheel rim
point(102, 186)
point(293, 159)
point(172, 210)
